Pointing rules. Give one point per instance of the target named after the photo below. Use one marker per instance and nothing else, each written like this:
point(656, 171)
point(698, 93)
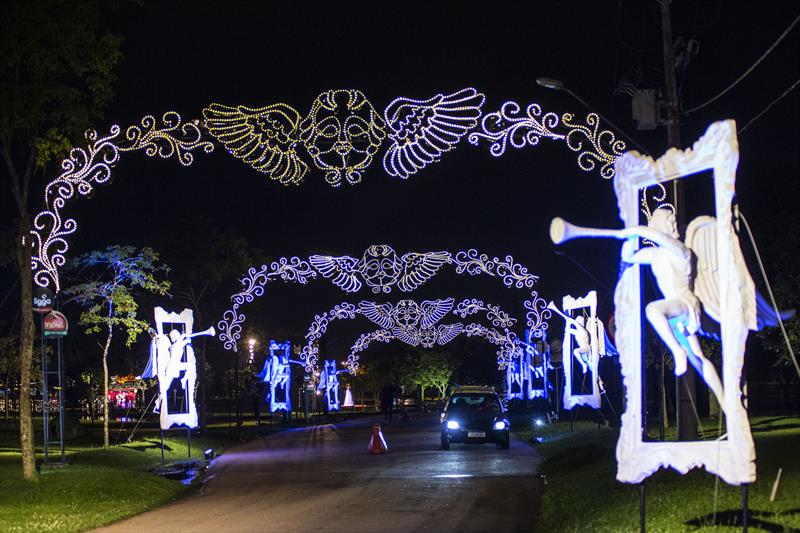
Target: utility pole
point(685, 385)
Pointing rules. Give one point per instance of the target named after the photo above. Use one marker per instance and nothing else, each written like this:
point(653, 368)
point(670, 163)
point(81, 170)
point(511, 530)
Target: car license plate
point(476, 434)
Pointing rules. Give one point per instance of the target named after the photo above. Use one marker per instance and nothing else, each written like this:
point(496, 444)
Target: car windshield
point(474, 402)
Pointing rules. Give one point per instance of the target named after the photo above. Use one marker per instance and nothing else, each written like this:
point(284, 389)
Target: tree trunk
point(25, 348)
point(105, 380)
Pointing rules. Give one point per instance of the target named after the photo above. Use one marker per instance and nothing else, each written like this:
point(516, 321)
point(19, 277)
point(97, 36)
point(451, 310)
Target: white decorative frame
point(189, 418)
point(592, 400)
point(733, 459)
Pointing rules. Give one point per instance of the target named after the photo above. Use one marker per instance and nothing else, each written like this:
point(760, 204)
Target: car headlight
point(500, 424)
point(452, 424)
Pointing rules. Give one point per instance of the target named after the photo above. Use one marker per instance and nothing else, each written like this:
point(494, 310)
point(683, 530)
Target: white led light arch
point(409, 321)
point(381, 269)
point(509, 345)
point(417, 131)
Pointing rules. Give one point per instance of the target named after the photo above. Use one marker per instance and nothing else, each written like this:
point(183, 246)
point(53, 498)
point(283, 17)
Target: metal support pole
point(642, 527)
point(60, 396)
point(45, 392)
point(162, 448)
point(189, 442)
point(744, 507)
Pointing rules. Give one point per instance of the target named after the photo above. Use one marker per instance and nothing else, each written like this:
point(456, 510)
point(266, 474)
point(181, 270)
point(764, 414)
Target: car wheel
point(445, 443)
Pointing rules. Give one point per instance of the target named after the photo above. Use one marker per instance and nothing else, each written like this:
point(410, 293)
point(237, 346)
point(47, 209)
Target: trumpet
point(561, 230)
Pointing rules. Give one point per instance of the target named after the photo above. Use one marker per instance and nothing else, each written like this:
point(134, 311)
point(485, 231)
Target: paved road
point(322, 479)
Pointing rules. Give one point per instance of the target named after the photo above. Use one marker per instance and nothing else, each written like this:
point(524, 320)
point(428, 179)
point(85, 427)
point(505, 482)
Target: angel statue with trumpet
point(676, 317)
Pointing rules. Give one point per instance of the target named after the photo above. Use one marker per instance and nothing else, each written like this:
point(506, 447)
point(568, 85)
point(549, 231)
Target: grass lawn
point(582, 494)
point(98, 486)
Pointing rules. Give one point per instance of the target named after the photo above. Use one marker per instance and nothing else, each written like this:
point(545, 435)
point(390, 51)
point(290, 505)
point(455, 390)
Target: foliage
point(57, 73)
point(434, 369)
point(109, 296)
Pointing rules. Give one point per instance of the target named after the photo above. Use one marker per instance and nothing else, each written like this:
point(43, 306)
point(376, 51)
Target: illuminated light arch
point(417, 131)
point(401, 316)
point(382, 270)
point(509, 344)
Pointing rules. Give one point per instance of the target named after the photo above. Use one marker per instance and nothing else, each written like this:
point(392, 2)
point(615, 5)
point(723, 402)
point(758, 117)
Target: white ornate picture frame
point(569, 305)
point(188, 417)
point(733, 457)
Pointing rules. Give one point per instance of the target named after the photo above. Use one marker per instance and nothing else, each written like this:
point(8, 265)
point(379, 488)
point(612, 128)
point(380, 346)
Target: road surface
point(322, 479)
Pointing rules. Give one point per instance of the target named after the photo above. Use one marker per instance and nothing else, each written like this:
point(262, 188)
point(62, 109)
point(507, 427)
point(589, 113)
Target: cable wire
point(769, 292)
point(778, 99)
point(748, 71)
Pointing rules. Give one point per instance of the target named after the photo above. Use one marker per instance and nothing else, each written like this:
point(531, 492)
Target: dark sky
point(184, 56)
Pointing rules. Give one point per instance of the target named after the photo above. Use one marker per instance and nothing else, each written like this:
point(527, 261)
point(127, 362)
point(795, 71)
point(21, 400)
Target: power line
point(778, 99)
point(748, 71)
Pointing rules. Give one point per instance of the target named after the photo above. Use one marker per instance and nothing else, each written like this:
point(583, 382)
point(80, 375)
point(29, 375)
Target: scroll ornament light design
point(85, 168)
point(382, 270)
point(408, 320)
point(441, 335)
point(341, 135)
point(595, 146)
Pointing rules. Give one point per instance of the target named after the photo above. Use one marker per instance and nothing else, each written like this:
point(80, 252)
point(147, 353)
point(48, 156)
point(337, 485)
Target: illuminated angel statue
point(278, 373)
point(329, 382)
point(676, 317)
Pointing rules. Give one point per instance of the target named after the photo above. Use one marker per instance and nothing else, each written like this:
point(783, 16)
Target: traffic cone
point(377, 444)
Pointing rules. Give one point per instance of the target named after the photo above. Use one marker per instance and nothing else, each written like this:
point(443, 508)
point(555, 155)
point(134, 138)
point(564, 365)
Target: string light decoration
point(402, 319)
point(343, 132)
point(381, 270)
point(442, 334)
point(85, 168)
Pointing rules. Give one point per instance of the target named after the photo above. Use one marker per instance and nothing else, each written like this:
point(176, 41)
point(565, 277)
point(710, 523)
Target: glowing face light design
point(277, 372)
point(342, 132)
point(720, 281)
point(173, 362)
point(380, 267)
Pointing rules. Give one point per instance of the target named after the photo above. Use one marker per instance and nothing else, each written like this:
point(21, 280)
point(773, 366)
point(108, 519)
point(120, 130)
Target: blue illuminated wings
point(422, 130)
point(342, 270)
point(262, 137)
point(434, 310)
point(420, 267)
point(448, 332)
point(380, 314)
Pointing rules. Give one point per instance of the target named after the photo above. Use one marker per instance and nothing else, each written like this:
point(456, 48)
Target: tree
point(109, 297)
point(55, 78)
point(434, 369)
point(226, 255)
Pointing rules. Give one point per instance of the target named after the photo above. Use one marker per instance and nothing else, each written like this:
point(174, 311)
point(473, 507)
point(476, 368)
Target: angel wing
point(262, 137)
point(381, 314)
point(422, 130)
point(701, 238)
point(342, 269)
point(419, 268)
point(448, 332)
point(435, 310)
point(407, 335)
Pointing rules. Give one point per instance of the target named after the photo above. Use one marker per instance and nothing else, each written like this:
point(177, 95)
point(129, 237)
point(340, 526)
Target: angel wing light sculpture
point(343, 132)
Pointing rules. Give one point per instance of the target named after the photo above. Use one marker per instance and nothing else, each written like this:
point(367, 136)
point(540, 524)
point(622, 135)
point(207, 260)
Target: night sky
point(184, 56)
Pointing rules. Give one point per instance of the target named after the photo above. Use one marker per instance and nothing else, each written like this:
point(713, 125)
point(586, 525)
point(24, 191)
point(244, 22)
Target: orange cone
point(377, 444)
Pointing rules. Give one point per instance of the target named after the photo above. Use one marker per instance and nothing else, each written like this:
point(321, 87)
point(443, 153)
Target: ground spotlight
point(209, 454)
point(539, 422)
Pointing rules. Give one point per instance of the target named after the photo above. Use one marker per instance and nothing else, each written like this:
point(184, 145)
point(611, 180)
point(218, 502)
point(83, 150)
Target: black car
point(474, 415)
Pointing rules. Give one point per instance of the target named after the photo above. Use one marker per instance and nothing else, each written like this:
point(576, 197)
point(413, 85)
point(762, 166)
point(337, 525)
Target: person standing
point(387, 401)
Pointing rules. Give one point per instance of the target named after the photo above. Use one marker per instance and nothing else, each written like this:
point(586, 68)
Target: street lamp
point(558, 85)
